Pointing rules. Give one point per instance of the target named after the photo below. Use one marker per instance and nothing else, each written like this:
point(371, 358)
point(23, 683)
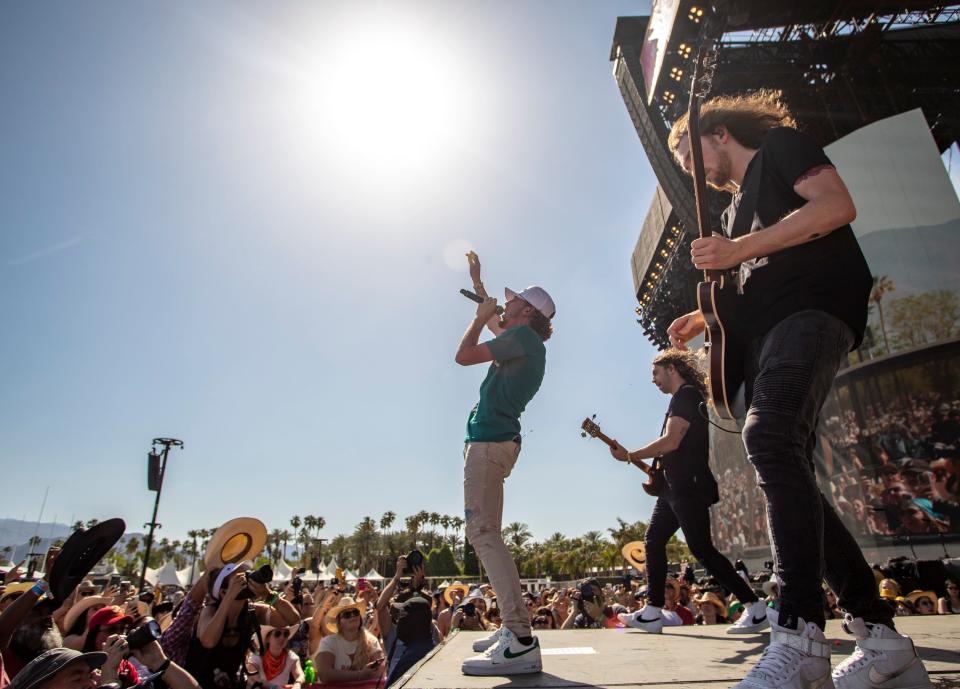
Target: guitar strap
point(744, 211)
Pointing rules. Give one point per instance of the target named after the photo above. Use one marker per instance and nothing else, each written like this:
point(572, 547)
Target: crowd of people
point(897, 471)
point(237, 629)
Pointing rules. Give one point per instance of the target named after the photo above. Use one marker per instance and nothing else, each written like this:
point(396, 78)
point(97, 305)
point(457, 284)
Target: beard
point(719, 176)
point(36, 637)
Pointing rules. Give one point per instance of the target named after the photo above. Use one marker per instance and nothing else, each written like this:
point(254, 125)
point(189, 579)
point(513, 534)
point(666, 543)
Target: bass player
point(685, 498)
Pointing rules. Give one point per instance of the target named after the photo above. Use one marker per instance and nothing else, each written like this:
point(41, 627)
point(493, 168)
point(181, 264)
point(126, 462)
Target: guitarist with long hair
point(805, 286)
point(688, 491)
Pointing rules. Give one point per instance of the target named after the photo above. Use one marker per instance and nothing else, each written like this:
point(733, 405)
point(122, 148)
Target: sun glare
point(383, 99)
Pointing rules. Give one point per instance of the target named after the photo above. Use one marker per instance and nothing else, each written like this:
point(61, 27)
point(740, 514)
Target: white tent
point(372, 576)
point(184, 574)
point(282, 571)
point(331, 566)
point(167, 575)
point(150, 576)
point(349, 576)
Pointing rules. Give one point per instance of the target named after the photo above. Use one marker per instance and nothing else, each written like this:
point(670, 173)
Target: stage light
point(684, 50)
point(676, 73)
point(664, 253)
point(695, 14)
point(669, 96)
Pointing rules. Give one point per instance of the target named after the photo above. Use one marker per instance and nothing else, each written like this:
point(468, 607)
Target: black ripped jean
point(789, 373)
point(692, 516)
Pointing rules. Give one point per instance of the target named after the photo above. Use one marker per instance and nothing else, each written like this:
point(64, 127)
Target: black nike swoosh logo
point(756, 621)
point(653, 620)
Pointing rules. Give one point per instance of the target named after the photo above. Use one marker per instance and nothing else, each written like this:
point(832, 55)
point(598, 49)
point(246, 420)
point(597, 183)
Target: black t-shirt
point(687, 469)
point(827, 274)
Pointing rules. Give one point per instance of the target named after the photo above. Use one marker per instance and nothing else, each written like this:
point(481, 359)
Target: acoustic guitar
point(653, 486)
point(717, 296)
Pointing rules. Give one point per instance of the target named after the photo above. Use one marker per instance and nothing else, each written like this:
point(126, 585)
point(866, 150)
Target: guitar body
point(655, 482)
point(719, 303)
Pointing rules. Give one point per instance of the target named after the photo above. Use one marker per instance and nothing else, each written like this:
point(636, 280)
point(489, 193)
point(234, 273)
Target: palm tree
point(882, 285)
point(92, 522)
point(364, 537)
point(77, 526)
point(386, 521)
point(285, 536)
point(516, 535)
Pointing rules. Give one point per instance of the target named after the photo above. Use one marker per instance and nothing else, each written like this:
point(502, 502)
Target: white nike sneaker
point(506, 657)
point(649, 619)
point(482, 645)
point(883, 659)
point(753, 620)
point(795, 659)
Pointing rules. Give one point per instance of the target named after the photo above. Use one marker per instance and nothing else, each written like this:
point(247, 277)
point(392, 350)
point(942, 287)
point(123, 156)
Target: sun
point(381, 98)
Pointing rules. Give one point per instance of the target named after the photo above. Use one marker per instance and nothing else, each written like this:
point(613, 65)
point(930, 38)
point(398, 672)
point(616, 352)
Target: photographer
point(229, 622)
point(106, 631)
point(469, 614)
point(588, 609)
point(143, 645)
point(349, 653)
point(407, 625)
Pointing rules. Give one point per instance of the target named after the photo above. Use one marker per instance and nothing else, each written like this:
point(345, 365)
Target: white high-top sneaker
point(506, 657)
point(883, 659)
point(754, 619)
point(648, 619)
point(481, 645)
point(795, 659)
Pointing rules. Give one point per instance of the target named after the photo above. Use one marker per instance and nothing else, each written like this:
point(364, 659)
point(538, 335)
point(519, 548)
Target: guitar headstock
point(703, 72)
point(589, 427)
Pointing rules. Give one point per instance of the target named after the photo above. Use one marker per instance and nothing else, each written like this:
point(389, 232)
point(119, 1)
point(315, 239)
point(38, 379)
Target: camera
point(297, 584)
point(587, 593)
point(264, 575)
point(469, 610)
point(146, 633)
point(414, 559)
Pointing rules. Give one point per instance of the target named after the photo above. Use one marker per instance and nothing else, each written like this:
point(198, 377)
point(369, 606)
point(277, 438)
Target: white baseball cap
point(537, 297)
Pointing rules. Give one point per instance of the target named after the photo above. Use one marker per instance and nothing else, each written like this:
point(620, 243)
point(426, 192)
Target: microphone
point(477, 298)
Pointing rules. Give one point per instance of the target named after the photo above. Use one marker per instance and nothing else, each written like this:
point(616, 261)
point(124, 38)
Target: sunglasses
point(88, 593)
point(282, 633)
point(348, 614)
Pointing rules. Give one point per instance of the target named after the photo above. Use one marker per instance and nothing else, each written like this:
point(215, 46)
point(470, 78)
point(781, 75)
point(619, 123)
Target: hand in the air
point(474, 262)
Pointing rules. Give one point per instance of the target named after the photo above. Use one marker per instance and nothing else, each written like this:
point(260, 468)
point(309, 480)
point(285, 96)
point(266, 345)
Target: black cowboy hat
point(82, 551)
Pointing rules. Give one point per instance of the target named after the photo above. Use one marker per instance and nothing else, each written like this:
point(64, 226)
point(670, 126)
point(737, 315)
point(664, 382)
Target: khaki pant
point(485, 466)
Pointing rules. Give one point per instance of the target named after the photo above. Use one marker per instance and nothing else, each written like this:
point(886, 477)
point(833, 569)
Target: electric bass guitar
point(655, 480)
point(717, 296)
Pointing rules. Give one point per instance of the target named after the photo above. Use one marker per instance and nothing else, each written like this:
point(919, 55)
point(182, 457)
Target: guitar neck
point(638, 463)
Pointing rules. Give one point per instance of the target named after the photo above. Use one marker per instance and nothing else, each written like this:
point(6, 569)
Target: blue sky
point(240, 224)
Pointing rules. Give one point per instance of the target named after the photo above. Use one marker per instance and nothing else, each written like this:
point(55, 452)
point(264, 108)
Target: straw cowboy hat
point(914, 596)
point(635, 553)
point(455, 586)
point(346, 603)
point(768, 585)
point(266, 630)
point(713, 599)
point(80, 608)
point(237, 540)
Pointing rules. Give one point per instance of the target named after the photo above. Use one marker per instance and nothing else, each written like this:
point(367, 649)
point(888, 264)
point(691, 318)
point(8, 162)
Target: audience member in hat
point(61, 668)
point(106, 632)
point(27, 628)
point(278, 666)
point(350, 653)
point(453, 595)
point(712, 609)
point(411, 631)
point(469, 614)
point(923, 602)
point(228, 623)
point(21, 608)
point(950, 603)
point(76, 622)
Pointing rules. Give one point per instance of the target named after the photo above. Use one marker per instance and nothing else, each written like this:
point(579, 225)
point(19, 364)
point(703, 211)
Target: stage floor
point(681, 657)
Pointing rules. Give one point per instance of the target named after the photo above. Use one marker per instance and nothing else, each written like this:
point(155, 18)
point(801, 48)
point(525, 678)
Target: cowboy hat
point(768, 585)
point(346, 603)
point(635, 553)
point(78, 609)
point(235, 541)
point(266, 629)
point(455, 586)
point(82, 551)
point(916, 595)
point(713, 599)
point(15, 589)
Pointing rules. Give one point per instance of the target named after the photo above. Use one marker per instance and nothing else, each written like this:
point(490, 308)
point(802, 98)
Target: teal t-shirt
point(514, 376)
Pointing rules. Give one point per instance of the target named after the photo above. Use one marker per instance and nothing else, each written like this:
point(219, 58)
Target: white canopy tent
point(282, 571)
point(167, 575)
point(372, 575)
point(184, 574)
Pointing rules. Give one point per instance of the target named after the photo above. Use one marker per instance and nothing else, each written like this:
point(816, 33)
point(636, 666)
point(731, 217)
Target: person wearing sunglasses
point(950, 603)
point(278, 666)
point(349, 653)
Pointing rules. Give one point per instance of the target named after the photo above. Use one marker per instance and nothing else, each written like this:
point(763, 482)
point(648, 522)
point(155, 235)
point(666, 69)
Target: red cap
point(108, 616)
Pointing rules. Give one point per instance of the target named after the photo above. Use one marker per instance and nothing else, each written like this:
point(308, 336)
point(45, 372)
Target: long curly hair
point(747, 117)
point(687, 364)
